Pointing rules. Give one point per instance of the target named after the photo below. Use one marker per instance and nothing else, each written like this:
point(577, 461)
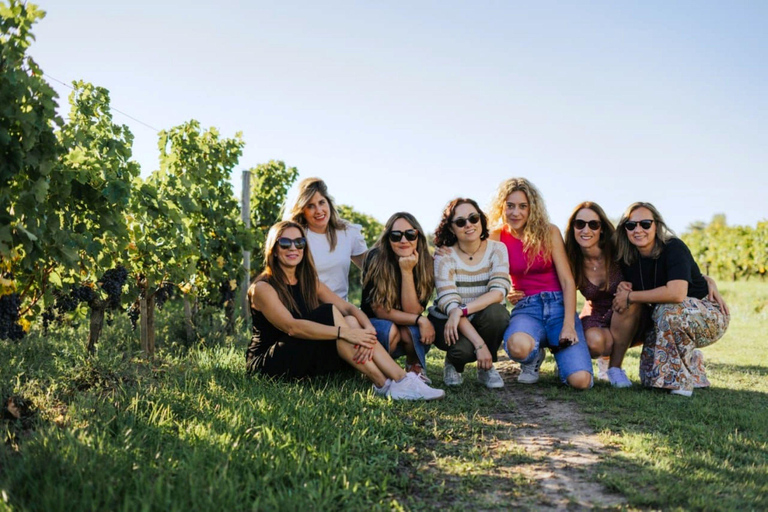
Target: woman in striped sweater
point(472, 280)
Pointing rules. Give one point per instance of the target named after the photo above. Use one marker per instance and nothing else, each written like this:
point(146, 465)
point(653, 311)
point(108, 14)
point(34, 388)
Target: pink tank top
point(541, 277)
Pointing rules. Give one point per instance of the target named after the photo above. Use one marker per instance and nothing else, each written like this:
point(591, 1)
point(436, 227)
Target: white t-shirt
point(333, 267)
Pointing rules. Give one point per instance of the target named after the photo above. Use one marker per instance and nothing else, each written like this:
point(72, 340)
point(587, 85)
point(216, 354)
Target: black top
point(264, 333)
point(367, 296)
point(674, 263)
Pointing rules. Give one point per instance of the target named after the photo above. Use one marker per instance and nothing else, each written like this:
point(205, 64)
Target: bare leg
point(623, 328)
point(395, 338)
point(599, 341)
point(407, 340)
point(377, 369)
point(520, 345)
point(579, 380)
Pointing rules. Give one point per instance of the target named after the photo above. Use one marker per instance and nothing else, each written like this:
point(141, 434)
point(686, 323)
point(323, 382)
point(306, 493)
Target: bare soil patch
point(540, 454)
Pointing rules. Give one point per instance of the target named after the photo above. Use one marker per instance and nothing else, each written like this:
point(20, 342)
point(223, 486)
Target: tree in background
point(270, 183)
point(28, 153)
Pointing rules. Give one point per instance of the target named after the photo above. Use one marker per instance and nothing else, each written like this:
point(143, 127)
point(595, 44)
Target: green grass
point(191, 431)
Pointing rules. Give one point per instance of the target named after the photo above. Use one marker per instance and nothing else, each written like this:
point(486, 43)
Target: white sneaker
point(383, 389)
point(602, 368)
point(490, 378)
point(419, 371)
point(450, 376)
point(681, 392)
point(413, 388)
point(529, 373)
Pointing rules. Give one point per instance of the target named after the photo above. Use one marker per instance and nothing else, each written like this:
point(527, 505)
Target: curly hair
point(625, 250)
point(536, 237)
point(383, 269)
point(308, 187)
point(444, 234)
point(274, 275)
point(605, 243)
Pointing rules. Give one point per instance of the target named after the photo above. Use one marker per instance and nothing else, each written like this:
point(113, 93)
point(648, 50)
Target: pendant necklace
point(655, 268)
point(470, 255)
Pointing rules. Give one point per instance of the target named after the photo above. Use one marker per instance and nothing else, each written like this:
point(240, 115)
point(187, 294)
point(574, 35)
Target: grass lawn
point(191, 431)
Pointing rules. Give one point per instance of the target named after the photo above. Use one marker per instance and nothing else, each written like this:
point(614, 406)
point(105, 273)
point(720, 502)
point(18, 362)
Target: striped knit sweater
point(458, 283)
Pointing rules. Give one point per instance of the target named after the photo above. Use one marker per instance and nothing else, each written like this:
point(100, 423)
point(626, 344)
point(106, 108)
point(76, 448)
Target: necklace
point(655, 268)
point(470, 255)
point(594, 265)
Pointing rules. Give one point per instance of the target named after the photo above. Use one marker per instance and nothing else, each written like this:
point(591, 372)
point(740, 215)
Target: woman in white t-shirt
point(334, 241)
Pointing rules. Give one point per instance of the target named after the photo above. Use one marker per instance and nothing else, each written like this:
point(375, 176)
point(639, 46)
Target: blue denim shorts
point(541, 317)
point(382, 333)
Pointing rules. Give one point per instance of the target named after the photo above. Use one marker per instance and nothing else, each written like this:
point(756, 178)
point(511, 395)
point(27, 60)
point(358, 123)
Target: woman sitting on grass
point(302, 329)
point(398, 282)
point(544, 292)
point(591, 254)
point(472, 279)
point(660, 271)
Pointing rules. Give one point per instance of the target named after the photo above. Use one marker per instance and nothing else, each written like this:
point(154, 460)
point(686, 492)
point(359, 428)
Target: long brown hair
point(383, 270)
point(274, 275)
point(307, 189)
point(605, 243)
point(626, 252)
point(536, 233)
point(444, 235)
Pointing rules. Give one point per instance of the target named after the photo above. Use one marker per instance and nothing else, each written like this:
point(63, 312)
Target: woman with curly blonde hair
point(543, 289)
point(398, 281)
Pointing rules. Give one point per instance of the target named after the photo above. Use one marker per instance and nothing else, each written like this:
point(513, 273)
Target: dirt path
point(543, 454)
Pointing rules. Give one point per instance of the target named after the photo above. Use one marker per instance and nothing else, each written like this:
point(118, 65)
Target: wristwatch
point(464, 311)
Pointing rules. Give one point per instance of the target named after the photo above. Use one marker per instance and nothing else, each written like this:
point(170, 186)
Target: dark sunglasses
point(285, 243)
point(473, 218)
point(594, 225)
point(630, 225)
point(409, 234)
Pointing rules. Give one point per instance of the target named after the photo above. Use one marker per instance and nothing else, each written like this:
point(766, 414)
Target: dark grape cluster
point(133, 314)
point(48, 316)
point(9, 317)
point(68, 302)
point(112, 282)
point(164, 293)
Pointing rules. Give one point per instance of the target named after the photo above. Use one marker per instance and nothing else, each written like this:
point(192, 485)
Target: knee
point(352, 322)
point(580, 380)
point(595, 342)
point(520, 345)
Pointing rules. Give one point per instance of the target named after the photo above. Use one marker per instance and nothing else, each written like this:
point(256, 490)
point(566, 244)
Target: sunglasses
point(285, 243)
point(409, 234)
point(473, 218)
point(630, 225)
point(594, 225)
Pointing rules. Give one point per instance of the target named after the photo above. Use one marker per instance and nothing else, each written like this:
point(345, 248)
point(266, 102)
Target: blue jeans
point(382, 333)
point(541, 317)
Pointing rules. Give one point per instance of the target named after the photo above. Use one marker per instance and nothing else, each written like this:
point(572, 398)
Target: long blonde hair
point(536, 233)
point(274, 275)
point(308, 187)
point(626, 252)
point(383, 270)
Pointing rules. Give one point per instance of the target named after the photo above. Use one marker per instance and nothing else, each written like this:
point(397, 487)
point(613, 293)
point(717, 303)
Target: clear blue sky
point(405, 105)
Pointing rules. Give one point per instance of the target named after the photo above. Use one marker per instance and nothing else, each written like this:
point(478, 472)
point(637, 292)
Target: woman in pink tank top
point(543, 289)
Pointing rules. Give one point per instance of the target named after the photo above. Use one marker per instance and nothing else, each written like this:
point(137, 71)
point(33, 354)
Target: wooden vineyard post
point(245, 213)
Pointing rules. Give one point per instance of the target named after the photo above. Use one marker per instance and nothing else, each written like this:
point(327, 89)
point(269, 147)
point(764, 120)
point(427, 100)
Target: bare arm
point(564, 275)
point(672, 293)
point(359, 259)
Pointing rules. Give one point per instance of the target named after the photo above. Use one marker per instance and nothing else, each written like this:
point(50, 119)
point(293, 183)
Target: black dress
point(275, 353)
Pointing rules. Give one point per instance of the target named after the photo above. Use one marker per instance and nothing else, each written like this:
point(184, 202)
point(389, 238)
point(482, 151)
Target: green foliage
point(269, 187)
point(372, 228)
point(729, 252)
point(28, 153)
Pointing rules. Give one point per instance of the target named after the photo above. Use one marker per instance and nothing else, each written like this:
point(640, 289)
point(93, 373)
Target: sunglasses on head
point(630, 225)
point(473, 218)
point(285, 243)
point(594, 225)
point(409, 234)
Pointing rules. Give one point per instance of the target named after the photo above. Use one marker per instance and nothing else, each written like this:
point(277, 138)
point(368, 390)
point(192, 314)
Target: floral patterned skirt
point(670, 357)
